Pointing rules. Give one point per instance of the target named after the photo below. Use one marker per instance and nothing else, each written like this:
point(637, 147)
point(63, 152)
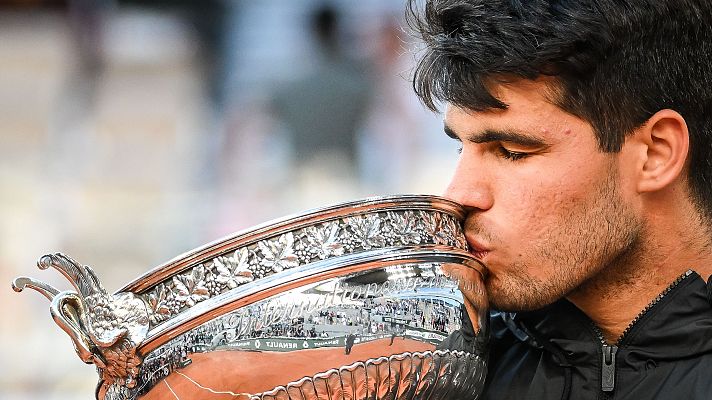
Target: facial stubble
point(588, 239)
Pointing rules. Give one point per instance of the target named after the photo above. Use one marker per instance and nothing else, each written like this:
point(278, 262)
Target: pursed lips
point(477, 249)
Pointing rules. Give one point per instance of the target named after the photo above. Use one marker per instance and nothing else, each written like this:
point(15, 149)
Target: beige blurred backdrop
point(131, 132)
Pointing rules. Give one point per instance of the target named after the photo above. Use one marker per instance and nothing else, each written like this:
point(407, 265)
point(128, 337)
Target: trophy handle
point(106, 329)
point(82, 277)
point(66, 310)
point(22, 282)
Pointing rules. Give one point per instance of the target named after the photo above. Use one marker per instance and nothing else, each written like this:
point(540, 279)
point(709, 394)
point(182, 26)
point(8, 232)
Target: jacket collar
point(679, 322)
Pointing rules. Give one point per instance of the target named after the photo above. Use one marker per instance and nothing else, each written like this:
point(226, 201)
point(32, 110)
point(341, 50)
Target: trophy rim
point(287, 223)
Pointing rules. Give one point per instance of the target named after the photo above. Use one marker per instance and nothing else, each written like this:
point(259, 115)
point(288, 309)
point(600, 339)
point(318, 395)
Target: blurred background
point(133, 131)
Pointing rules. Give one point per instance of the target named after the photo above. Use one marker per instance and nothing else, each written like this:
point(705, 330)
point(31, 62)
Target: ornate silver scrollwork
point(106, 329)
point(302, 246)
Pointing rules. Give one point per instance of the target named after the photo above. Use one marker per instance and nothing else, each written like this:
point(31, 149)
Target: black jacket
point(558, 353)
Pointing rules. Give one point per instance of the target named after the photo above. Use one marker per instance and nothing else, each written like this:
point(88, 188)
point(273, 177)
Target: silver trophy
point(373, 299)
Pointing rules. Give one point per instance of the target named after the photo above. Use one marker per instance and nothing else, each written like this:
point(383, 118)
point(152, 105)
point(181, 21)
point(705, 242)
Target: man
point(586, 170)
point(323, 109)
point(350, 340)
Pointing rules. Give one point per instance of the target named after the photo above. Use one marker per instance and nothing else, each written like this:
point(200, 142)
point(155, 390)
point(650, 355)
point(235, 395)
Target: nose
point(470, 186)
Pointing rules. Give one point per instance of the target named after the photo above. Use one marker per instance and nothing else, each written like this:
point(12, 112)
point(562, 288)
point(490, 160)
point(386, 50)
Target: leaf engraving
point(367, 231)
point(190, 287)
point(324, 241)
point(407, 227)
point(279, 254)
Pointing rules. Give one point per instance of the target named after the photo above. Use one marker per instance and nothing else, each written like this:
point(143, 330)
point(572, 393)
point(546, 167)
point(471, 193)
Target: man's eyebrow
point(450, 133)
point(494, 135)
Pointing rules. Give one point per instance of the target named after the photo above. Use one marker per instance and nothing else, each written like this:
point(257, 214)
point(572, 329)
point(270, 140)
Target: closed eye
point(511, 155)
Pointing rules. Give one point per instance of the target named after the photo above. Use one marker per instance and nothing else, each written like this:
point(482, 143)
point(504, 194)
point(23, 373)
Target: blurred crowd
point(133, 131)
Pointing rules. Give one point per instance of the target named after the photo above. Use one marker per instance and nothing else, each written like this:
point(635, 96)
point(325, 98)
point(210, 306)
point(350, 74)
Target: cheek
point(537, 217)
point(531, 205)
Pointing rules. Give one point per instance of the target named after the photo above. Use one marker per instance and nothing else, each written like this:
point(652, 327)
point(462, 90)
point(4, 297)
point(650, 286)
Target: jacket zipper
point(609, 351)
point(608, 363)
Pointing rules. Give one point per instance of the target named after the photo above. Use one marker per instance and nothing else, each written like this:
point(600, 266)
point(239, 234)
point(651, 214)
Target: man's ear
point(667, 141)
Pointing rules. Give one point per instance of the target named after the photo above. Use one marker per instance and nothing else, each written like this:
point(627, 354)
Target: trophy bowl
point(372, 299)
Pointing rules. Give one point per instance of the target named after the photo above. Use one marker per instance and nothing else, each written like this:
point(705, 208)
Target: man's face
point(547, 210)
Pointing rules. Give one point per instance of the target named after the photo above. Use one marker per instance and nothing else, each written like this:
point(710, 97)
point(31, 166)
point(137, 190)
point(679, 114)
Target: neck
point(615, 296)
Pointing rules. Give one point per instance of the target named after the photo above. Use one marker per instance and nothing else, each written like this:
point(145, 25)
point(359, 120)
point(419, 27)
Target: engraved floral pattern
point(299, 247)
point(231, 271)
point(437, 228)
point(407, 227)
point(191, 288)
point(279, 254)
point(324, 241)
point(456, 234)
point(366, 230)
point(159, 302)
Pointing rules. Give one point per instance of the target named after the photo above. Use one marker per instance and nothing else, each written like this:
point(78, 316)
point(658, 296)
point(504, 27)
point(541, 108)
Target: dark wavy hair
point(615, 63)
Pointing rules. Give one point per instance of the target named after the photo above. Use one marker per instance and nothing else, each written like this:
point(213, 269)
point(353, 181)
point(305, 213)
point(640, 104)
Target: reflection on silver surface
point(358, 301)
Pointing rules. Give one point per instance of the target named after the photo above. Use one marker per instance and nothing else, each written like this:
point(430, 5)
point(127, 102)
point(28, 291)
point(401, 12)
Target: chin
point(520, 296)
